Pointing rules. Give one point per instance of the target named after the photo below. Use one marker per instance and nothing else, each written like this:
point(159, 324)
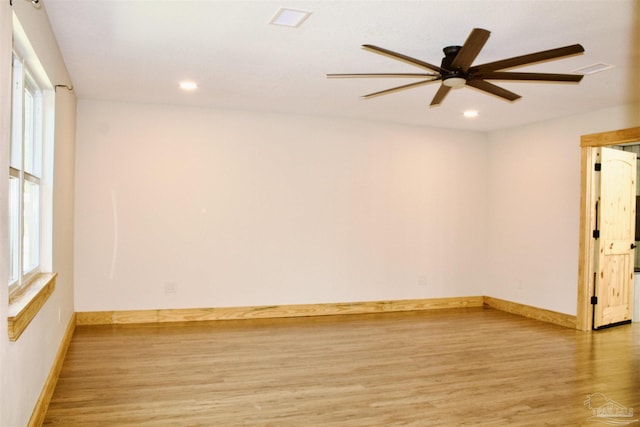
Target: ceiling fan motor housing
point(458, 78)
point(450, 53)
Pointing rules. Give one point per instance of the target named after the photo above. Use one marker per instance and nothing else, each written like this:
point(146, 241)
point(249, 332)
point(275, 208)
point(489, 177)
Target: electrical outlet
point(423, 280)
point(170, 288)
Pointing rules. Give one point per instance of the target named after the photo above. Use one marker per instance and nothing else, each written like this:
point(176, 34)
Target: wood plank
point(617, 214)
point(40, 410)
point(432, 368)
point(276, 311)
point(589, 156)
point(531, 312)
point(94, 318)
point(24, 307)
point(616, 137)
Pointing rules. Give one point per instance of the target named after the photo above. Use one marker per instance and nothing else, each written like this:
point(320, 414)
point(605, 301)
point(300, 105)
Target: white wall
point(25, 364)
point(241, 209)
point(534, 207)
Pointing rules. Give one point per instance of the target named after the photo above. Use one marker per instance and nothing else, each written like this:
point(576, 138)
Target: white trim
point(29, 77)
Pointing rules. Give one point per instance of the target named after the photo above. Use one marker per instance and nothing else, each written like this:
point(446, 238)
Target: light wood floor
point(465, 367)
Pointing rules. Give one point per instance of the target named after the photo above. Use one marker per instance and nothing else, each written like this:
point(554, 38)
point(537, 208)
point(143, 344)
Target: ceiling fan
point(456, 69)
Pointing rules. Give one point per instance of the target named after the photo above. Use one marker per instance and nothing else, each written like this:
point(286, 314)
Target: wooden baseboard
point(40, 410)
point(275, 311)
point(329, 309)
point(529, 311)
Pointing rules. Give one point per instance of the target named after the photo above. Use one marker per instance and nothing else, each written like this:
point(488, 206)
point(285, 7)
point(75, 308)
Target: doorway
point(586, 267)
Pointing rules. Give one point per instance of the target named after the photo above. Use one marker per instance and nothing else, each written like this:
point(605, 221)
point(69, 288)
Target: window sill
point(24, 306)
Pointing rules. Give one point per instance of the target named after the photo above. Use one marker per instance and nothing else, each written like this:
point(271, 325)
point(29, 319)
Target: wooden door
point(614, 257)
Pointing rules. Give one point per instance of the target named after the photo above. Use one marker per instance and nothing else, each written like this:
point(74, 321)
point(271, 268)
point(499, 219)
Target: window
point(30, 204)
point(25, 175)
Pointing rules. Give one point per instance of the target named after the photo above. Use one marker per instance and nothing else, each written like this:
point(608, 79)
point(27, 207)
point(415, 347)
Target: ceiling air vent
point(289, 17)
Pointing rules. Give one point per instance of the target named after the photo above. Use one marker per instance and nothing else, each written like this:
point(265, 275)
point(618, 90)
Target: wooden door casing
point(584, 316)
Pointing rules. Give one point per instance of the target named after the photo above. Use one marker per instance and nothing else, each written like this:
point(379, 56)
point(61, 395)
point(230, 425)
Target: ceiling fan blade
point(545, 77)
point(470, 50)
point(401, 57)
point(440, 94)
point(399, 88)
point(415, 75)
point(493, 89)
point(531, 58)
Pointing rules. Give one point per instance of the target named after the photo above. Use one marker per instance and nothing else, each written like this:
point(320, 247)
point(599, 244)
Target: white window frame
point(26, 137)
point(27, 77)
point(31, 289)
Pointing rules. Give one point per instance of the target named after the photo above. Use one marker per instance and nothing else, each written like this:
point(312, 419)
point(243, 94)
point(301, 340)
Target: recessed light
point(469, 114)
point(594, 68)
point(188, 85)
point(289, 17)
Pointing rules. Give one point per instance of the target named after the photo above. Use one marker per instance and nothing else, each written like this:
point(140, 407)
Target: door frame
point(587, 215)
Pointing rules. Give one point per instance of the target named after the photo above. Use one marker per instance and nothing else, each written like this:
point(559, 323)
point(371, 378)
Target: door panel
point(615, 246)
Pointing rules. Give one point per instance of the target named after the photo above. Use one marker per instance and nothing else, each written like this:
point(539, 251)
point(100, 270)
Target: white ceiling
point(138, 51)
